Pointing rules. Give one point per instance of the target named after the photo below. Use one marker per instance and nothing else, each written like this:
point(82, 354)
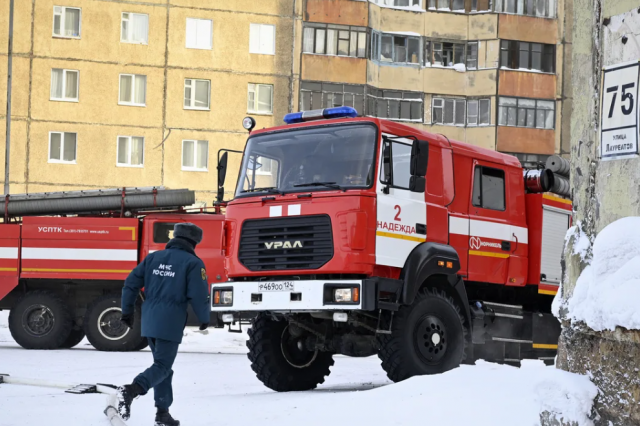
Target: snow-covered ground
point(214, 385)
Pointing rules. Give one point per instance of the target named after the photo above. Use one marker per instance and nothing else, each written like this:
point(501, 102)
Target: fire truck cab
point(361, 236)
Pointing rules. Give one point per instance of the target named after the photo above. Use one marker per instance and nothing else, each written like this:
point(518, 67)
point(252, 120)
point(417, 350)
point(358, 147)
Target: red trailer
point(61, 277)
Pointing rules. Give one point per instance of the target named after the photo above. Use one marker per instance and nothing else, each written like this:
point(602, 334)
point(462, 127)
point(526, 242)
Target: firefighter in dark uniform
point(172, 278)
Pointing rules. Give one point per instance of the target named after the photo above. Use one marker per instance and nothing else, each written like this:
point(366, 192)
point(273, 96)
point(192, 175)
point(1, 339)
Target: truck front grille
point(303, 242)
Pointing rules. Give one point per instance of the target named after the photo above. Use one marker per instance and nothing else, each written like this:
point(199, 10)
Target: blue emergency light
point(320, 114)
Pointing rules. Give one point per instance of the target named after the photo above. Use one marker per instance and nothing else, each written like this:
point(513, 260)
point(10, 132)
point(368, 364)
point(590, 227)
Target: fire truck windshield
point(309, 159)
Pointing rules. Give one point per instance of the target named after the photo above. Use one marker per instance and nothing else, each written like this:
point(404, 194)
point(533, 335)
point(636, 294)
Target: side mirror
point(419, 158)
point(222, 169)
point(417, 184)
point(386, 163)
point(222, 174)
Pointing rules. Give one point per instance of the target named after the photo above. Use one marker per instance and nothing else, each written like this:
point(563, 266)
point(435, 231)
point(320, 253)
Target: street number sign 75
point(619, 111)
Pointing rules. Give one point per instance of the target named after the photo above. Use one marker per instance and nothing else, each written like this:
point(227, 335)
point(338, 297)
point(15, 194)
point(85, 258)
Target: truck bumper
point(295, 295)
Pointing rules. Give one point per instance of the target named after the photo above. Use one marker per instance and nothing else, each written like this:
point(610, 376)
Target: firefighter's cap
point(188, 231)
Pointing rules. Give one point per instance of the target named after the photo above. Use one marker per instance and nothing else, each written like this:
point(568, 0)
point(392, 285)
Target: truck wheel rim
point(296, 357)
point(38, 320)
point(431, 339)
point(110, 325)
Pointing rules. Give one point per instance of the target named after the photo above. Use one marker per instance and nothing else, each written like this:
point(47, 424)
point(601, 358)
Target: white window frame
point(133, 90)
point(255, 99)
point(60, 161)
point(193, 95)
point(273, 47)
point(53, 23)
point(210, 38)
point(64, 86)
point(195, 159)
point(444, 107)
point(122, 40)
point(130, 139)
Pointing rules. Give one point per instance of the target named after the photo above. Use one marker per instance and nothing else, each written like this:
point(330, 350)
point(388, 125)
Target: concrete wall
point(603, 191)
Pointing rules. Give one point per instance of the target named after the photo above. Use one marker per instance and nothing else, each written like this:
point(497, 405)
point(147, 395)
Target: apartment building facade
point(117, 93)
point(487, 72)
point(112, 93)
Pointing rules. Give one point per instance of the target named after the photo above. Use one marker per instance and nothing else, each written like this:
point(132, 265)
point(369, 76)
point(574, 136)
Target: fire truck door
point(402, 214)
point(490, 234)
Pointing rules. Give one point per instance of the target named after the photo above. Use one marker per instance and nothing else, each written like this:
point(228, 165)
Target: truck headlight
point(223, 297)
point(227, 297)
point(346, 295)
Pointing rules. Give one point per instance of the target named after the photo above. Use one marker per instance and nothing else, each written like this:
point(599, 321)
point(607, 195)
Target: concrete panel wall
point(100, 57)
point(483, 27)
point(525, 140)
point(338, 69)
point(527, 28)
point(343, 12)
point(527, 84)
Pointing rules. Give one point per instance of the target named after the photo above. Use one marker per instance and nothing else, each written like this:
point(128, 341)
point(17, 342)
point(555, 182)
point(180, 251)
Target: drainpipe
point(9, 71)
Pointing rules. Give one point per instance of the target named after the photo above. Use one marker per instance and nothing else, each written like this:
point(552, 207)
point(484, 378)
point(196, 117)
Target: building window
point(447, 5)
point(539, 8)
point(488, 188)
point(444, 54)
point(130, 151)
point(66, 22)
point(448, 111)
point(133, 90)
point(62, 147)
point(262, 39)
point(460, 112)
point(327, 95)
point(532, 113)
point(472, 55)
point(396, 48)
point(135, 28)
point(260, 99)
point(195, 155)
point(399, 3)
point(64, 85)
point(335, 40)
point(478, 112)
point(528, 56)
point(197, 94)
point(395, 105)
point(481, 5)
point(199, 34)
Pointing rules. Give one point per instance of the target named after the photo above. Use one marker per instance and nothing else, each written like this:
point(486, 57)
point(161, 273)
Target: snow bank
point(483, 395)
point(608, 290)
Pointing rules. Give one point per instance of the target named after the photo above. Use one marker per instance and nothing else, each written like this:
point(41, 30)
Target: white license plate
point(276, 286)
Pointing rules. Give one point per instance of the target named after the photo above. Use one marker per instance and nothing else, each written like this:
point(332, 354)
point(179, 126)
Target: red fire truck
point(61, 275)
point(360, 236)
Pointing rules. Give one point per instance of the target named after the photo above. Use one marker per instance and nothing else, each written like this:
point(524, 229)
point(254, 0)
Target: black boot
point(163, 418)
point(126, 395)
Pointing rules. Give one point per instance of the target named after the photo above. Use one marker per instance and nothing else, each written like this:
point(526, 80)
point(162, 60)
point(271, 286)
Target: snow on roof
point(607, 292)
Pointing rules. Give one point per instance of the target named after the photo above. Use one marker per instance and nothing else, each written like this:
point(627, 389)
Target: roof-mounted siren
point(538, 180)
point(320, 114)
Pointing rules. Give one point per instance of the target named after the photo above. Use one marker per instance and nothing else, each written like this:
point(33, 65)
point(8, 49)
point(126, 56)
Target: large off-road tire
point(427, 337)
point(104, 329)
point(74, 338)
point(40, 320)
point(279, 363)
